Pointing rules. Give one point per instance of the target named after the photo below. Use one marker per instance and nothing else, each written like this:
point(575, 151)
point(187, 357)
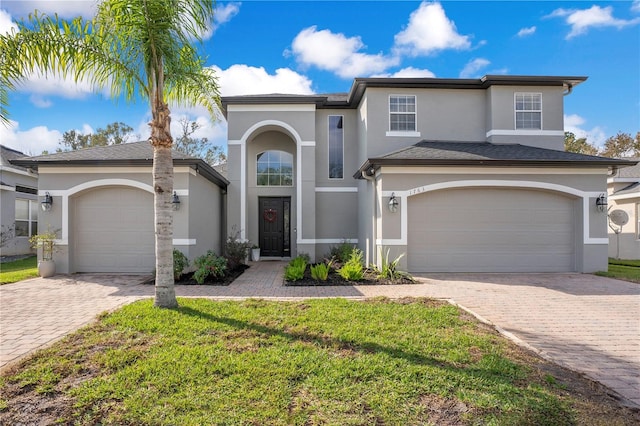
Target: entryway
point(275, 226)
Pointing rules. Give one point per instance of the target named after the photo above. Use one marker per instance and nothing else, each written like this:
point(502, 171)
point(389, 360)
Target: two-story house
point(462, 175)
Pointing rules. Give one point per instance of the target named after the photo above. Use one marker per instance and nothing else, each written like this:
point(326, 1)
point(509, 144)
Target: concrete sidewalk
point(584, 322)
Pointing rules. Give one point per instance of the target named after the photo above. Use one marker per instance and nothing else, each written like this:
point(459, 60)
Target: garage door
point(113, 231)
point(490, 230)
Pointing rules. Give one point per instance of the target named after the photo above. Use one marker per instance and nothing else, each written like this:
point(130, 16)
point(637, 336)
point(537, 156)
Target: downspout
point(370, 176)
point(569, 89)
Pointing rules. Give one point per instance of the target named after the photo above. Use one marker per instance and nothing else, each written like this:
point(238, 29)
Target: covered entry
point(491, 230)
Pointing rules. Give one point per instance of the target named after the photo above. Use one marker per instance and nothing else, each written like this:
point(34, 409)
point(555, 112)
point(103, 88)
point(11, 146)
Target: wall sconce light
point(175, 202)
point(47, 202)
point(393, 203)
point(601, 202)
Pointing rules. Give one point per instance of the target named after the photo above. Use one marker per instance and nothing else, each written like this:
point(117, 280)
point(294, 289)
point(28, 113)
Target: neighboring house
point(624, 194)
point(103, 207)
point(473, 169)
point(18, 204)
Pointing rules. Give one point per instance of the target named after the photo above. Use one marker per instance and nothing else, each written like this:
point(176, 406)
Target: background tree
point(579, 145)
point(198, 147)
point(135, 49)
point(622, 145)
point(113, 134)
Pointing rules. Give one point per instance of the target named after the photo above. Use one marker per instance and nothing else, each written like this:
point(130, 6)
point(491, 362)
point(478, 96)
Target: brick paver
point(586, 323)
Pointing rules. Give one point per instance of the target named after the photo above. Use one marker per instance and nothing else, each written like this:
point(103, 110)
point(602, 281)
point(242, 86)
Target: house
point(103, 212)
point(18, 204)
point(461, 175)
point(624, 194)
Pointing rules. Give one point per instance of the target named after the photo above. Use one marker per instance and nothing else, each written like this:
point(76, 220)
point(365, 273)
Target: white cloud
point(224, 13)
point(635, 6)
point(575, 124)
point(524, 32)
point(594, 17)
point(473, 67)
point(39, 101)
point(32, 141)
point(338, 53)
point(242, 79)
point(408, 72)
point(429, 31)
point(6, 23)
point(65, 9)
point(40, 86)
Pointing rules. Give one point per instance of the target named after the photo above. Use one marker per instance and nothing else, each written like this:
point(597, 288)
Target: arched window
point(274, 168)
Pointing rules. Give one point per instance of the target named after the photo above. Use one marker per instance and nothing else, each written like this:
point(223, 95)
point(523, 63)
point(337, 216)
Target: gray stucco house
point(624, 194)
point(462, 175)
point(18, 204)
point(102, 207)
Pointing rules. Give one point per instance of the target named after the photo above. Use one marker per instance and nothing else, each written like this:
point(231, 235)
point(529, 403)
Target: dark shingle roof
point(7, 154)
point(630, 172)
point(435, 153)
point(634, 188)
point(129, 154)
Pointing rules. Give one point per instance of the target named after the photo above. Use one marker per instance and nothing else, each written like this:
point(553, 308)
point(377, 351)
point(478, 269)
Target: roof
point(630, 172)
point(128, 154)
point(7, 154)
point(439, 153)
point(353, 98)
point(634, 188)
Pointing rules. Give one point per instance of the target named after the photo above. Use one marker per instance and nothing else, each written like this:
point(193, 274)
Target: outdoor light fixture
point(175, 202)
point(601, 202)
point(393, 203)
point(47, 202)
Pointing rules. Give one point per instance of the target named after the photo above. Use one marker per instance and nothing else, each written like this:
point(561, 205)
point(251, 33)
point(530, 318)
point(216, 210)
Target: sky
point(312, 47)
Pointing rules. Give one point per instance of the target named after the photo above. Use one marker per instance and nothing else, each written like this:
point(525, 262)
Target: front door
point(275, 220)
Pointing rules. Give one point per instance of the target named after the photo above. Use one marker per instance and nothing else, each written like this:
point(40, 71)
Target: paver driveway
point(583, 322)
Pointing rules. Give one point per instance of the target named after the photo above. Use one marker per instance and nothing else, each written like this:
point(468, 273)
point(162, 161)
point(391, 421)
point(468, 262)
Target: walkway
point(584, 322)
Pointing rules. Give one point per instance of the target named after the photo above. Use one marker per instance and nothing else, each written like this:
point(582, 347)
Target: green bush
point(342, 252)
point(236, 249)
point(209, 264)
point(180, 263)
point(320, 272)
point(353, 270)
point(294, 271)
point(389, 270)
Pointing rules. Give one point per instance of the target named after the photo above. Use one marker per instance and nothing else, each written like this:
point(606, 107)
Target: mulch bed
point(370, 278)
point(187, 279)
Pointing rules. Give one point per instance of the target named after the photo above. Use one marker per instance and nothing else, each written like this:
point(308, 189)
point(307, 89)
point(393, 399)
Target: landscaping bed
point(228, 278)
point(369, 277)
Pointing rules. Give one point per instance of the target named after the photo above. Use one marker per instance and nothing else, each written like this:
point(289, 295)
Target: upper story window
point(26, 224)
point(336, 147)
point(274, 168)
point(528, 110)
point(402, 113)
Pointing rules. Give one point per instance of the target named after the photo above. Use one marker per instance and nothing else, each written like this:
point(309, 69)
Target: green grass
point(18, 270)
point(332, 361)
point(628, 270)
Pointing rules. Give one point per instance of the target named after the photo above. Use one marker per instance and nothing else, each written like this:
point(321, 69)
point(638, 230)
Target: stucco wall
point(628, 237)
point(8, 195)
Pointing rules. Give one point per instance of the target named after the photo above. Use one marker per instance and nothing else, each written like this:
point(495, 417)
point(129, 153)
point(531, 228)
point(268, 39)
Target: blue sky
point(320, 46)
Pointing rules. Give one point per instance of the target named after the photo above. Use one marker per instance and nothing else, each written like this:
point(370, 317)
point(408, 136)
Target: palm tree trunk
point(163, 188)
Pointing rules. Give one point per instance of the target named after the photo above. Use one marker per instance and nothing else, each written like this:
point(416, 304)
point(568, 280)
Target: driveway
point(584, 322)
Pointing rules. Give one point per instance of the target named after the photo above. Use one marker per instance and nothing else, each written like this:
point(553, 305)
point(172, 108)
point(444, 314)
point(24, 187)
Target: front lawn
point(628, 270)
point(18, 270)
point(331, 361)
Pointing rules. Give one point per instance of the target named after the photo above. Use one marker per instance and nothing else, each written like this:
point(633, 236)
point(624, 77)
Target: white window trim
point(515, 111)
point(402, 133)
point(293, 171)
point(329, 147)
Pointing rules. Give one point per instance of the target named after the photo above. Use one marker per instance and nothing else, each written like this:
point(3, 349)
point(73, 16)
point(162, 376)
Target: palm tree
point(134, 49)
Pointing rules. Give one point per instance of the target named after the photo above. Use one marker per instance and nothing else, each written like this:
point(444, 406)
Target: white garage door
point(113, 231)
point(490, 230)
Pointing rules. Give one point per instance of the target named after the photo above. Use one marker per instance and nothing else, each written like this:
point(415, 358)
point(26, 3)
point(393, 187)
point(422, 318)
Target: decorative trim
point(7, 188)
point(18, 171)
point(272, 108)
point(524, 132)
point(398, 134)
point(308, 143)
point(336, 189)
point(92, 170)
point(327, 241)
point(234, 142)
point(624, 196)
point(414, 170)
point(184, 241)
point(623, 180)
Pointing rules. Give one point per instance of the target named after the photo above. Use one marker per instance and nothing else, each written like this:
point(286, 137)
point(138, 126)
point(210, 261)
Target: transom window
point(26, 224)
point(336, 147)
point(274, 168)
point(528, 110)
point(402, 113)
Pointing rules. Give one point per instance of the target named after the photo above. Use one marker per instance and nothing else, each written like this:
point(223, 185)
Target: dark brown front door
point(275, 220)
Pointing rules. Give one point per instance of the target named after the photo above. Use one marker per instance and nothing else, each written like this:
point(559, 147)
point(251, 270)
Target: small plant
point(180, 263)
point(46, 241)
point(389, 270)
point(294, 271)
point(304, 256)
point(342, 252)
point(209, 264)
point(236, 249)
point(352, 270)
point(320, 271)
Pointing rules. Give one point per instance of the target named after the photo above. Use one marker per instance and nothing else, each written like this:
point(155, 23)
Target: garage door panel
point(490, 230)
point(113, 231)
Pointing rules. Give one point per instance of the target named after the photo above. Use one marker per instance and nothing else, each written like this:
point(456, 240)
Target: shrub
point(341, 252)
point(180, 262)
point(389, 270)
point(294, 271)
point(304, 256)
point(235, 249)
point(320, 272)
point(209, 264)
point(352, 270)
